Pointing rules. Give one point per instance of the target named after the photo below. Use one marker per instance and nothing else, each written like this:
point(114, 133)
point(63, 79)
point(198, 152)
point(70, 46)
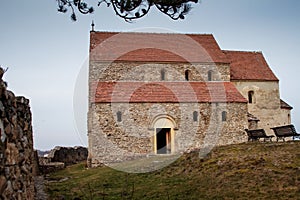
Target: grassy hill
point(243, 171)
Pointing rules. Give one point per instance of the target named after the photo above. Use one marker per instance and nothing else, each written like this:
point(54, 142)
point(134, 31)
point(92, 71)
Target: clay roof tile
point(249, 66)
point(164, 92)
point(155, 47)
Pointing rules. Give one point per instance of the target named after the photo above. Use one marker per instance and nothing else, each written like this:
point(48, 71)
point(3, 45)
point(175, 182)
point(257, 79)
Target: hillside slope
point(243, 171)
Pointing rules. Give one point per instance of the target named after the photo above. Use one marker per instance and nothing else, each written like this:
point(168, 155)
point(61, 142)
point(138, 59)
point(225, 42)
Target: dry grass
point(244, 171)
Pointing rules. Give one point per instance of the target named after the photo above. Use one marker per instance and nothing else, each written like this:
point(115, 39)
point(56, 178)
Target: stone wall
point(68, 155)
point(137, 71)
point(266, 103)
point(60, 157)
point(16, 146)
point(113, 140)
point(134, 135)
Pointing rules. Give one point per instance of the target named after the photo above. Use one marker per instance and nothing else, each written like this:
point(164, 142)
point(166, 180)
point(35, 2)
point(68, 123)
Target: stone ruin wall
point(68, 155)
point(60, 157)
point(16, 146)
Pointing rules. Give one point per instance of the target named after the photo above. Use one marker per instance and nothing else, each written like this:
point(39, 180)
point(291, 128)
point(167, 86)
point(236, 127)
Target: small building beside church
point(163, 94)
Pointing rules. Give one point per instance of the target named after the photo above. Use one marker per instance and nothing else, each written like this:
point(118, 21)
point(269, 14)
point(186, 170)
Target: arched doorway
point(164, 135)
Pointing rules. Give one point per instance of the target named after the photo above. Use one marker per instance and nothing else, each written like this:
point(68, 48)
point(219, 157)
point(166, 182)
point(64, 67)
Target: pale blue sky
point(45, 51)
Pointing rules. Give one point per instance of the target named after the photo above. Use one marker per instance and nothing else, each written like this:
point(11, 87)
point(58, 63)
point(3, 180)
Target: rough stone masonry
point(16, 146)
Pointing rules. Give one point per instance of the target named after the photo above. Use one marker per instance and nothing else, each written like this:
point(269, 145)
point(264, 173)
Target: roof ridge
point(158, 33)
point(242, 51)
point(124, 81)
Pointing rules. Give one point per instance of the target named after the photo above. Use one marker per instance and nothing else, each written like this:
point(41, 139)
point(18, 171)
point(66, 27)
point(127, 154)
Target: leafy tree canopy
point(130, 9)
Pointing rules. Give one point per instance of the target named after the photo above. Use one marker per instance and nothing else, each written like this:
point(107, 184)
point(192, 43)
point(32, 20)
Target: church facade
point(163, 94)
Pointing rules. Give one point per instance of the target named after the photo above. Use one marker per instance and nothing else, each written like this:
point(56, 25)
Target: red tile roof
point(155, 47)
point(249, 66)
point(166, 47)
point(166, 92)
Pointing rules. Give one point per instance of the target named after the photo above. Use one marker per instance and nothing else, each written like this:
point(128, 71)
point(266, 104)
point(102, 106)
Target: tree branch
point(130, 9)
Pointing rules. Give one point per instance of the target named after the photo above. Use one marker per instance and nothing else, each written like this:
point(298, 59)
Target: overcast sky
point(46, 52)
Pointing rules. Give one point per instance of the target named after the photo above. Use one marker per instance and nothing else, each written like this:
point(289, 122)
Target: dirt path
point(39, 186)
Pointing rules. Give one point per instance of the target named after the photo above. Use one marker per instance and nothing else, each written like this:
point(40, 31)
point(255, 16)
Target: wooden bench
point(282, 132)
point(256, 134)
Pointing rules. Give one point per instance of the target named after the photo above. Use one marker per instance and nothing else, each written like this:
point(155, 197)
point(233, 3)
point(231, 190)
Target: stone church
point(155, 94)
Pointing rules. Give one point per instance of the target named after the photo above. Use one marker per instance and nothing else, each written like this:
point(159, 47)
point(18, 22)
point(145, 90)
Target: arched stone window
point(209, 75)
point(195, 116)
point(251, 98)
point(224, 116)
point(119, 116)
point(163, 74)
point(187, 75)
